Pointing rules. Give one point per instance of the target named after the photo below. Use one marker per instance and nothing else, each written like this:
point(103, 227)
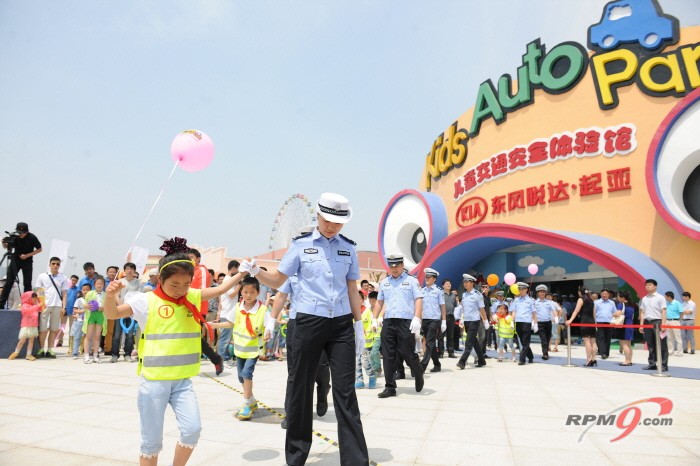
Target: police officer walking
point(328, 318)
point(473, 314)
point(544, 309)
point(402, 320)
point(434, 319)
point(525, 316)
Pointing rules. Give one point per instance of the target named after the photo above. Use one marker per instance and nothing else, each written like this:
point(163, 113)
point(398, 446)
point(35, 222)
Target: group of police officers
point(319, 274)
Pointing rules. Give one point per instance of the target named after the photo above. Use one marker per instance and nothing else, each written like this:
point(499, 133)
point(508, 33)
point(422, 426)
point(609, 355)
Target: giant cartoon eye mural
point(592, 151)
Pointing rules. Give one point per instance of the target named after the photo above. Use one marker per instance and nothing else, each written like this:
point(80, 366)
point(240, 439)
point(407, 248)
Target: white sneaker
point(127, 358)
point(98, 360)
point(88, 360)
point(75, 356)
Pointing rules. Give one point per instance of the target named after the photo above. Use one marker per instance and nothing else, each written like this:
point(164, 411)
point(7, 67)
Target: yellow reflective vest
point(245, 345)
point(504, 328)
point(367, 326)
point(170, 346)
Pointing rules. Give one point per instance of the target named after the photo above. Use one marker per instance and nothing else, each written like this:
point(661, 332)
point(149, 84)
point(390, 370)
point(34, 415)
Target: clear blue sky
point(343, 96)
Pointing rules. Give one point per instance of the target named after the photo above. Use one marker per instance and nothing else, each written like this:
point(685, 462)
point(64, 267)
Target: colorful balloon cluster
point(510, 279)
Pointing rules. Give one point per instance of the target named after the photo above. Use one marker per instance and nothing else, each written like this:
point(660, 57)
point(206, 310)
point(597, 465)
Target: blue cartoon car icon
point(633, 21)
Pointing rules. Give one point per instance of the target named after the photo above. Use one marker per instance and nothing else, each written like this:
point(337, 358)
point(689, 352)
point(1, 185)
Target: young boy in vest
point(248, 329)
point(506, 331)
point(364, 358)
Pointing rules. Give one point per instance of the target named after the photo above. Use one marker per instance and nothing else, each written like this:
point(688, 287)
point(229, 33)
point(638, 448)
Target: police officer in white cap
point(434, 319)
point(328, 317)
point(544, 309)
point(473, 315)
point(290, 291)
point(525, 317)
point(401, 294)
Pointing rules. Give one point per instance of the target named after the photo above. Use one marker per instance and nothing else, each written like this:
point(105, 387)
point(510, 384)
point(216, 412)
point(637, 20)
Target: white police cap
point(541, 288)
point(334, 208)
point(468, 278)
point(393, 259)
point(430, 272)
point(522, 285)
point(500, 293)
point(307, 228)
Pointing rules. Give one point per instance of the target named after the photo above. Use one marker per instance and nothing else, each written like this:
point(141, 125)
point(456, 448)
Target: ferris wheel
point(296, 212)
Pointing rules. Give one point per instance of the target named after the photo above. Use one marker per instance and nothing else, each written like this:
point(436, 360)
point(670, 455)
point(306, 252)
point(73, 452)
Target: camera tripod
point(9, 256)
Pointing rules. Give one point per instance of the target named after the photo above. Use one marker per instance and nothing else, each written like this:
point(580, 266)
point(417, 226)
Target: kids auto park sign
point(591, 149)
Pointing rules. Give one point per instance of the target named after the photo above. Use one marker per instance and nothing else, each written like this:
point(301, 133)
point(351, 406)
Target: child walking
point(76, 329)
point(170, 349)
point(363, 360)
point(28, 327)
point(506, 331)
point(248, 329)
point(94, 323)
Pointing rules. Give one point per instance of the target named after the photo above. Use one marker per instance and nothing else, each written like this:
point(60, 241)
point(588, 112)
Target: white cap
point(152, 272)
point(523, 285)
point(334, 208)
point(394, 259)
point(541, 288)
point(468, 278)
point(430, 272)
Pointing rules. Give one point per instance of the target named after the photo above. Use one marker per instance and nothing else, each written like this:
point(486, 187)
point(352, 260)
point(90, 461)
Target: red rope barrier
point(682, 327)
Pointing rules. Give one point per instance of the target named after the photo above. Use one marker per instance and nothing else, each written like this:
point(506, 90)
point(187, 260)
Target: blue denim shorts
point(154, 396)
point(503, 341)
point(245, 368)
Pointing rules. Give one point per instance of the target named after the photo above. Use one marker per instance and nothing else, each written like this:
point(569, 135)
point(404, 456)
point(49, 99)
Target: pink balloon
point(532, 268)
point(509, 278)
point(192, 150)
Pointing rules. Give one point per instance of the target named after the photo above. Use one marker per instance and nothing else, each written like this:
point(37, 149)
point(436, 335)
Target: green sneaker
point(245, 413)
point(254, 406)
point(50, 354)
point(41, 354)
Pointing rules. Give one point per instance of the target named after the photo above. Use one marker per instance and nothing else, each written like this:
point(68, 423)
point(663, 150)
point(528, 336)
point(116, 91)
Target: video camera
point(10, 241)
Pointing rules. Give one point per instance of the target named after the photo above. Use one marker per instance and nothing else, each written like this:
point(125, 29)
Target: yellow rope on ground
point(282, 416)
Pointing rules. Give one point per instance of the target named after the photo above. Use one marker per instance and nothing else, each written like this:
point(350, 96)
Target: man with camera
point(21, 247)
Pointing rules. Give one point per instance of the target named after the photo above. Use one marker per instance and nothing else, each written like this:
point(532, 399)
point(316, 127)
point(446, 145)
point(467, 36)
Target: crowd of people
point(311, 313)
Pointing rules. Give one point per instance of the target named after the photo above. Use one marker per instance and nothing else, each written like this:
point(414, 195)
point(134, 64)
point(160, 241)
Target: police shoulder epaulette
point(303, 235)
point(348, 240)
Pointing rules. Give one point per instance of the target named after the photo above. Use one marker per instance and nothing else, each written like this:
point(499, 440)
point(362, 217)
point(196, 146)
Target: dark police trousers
point(650, 340)
point(603, 336)
point(323, 374)
point(336, 336)
point(397, 338)
point(524, 331)
point(544, 331)
point(431, 331)
point(472, 329)
point(450, 333)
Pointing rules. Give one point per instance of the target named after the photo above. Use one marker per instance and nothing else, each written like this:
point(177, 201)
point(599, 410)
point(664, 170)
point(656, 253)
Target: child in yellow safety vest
point(248, 330)
point(364, 359)
point(506, 331)
point(170, 349)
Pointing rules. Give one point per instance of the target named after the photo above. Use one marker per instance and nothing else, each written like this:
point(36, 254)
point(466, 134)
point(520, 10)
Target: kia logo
point(471, 212)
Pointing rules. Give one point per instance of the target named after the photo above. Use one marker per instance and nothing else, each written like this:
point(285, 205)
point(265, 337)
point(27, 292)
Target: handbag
point(620, 320)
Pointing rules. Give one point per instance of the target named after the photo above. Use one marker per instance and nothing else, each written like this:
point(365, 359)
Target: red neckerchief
point(248, 323)
point(182, 301)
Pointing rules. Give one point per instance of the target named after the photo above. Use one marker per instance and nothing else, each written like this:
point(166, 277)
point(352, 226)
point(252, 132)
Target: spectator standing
point(652, 311)
point(674, 309)
point(55, 287)
point(688, 319)
point(625, 335)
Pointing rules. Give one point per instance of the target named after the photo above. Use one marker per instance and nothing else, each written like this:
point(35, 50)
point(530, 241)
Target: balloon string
point(160, 194)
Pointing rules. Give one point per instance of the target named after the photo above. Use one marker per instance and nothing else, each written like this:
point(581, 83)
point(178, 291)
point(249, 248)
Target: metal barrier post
point(659, 368)
point(568, 348)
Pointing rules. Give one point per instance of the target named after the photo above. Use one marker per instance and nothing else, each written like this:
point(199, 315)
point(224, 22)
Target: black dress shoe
point(545, 357)
point(461, 365)
point(650, 367)
point(387, 393)
point(436, 369)
point(685, 351)
point(419, 382)
point(400, 376)
point(481, 363)
point(521, 363)
point(451, 355)
point(284, 423)
point(486, 356)
point(604, 357)
point(664, 369)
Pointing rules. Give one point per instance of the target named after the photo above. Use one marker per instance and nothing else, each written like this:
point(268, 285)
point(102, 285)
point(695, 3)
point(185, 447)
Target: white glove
point(359, 337)
point(534, 327)
point(269, 325)
point(374, 325)
point(415, 325)
point(380, 321)
point(254, 269)
point(443, 326)
point(512, 324)
point(245, 266)
point(486, 324)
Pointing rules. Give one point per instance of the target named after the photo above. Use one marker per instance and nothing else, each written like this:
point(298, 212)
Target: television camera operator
point(21, 246)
